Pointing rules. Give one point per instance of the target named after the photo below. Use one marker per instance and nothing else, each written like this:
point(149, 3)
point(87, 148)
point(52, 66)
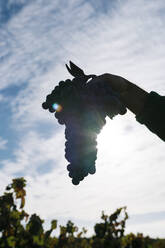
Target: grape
point(83, 107)
point(69, 167)
point(75, 181)
point(45, 105)
point(92, 170)
point(70, 174)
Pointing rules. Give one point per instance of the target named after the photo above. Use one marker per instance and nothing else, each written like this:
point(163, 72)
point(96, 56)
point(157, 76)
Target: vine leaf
point(74, 70)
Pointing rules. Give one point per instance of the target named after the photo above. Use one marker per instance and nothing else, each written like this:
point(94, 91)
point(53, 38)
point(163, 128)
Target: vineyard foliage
point(20, 230)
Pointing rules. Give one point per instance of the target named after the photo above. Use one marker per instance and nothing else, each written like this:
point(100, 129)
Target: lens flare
point(57, 107)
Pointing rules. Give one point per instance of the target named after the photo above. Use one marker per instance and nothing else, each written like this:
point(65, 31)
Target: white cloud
point(129, 41)
point(155, 229)
point(3, 143)
point(101, 43)
point(34, 151)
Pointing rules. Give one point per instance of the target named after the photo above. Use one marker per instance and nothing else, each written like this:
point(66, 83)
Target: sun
point(110, 140)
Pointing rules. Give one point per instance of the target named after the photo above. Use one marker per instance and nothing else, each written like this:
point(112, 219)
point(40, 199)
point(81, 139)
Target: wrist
point(134, 97)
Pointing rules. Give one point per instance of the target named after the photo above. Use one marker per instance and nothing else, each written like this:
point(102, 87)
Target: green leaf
point(54, 224)
point(11, 241)
point(74, 70)
point(38, 240)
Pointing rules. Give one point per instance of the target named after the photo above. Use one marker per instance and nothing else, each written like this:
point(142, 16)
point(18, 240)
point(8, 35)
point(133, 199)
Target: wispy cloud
point(126, 38)
point(3, 143)
point(33, 152)
point(127, 47)
point(9, 8)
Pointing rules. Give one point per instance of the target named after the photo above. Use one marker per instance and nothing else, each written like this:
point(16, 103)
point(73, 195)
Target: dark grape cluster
point(82, 106)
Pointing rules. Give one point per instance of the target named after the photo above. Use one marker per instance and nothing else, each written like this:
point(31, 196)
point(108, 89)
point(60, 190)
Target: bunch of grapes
point(82, 106)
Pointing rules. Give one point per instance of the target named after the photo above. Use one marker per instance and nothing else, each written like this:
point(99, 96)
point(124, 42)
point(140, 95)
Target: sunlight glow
point(109, 136)
point(112, 143)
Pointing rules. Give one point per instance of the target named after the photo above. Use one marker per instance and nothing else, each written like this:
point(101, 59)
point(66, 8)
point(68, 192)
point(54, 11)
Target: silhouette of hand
point(117, 83)
point(130, 94)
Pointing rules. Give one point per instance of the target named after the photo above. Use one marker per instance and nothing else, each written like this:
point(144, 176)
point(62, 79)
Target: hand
point(130, 94)
point(117, 83)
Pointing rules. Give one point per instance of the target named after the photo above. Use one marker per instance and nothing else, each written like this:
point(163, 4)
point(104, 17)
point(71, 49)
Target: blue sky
point(121, 37)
